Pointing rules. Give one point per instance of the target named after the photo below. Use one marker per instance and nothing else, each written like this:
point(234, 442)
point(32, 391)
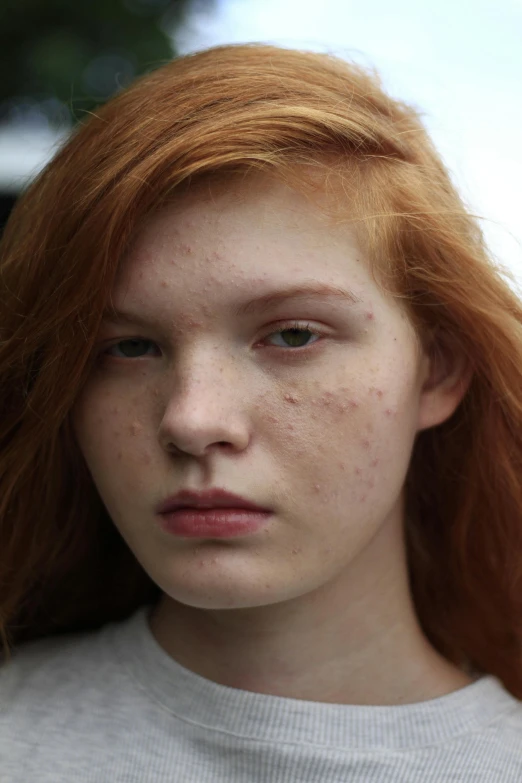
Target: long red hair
point(63, 565)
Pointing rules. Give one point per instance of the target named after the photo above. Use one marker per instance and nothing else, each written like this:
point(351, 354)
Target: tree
point(59, 59)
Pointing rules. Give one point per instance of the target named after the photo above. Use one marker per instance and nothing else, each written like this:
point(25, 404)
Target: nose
point(204, 409)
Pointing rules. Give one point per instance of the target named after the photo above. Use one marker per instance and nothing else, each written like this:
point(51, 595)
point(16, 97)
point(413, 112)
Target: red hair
point(63, 566)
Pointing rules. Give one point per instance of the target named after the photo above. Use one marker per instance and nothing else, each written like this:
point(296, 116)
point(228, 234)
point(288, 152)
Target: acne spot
point(119, 454)
point(135, 428)
point(327, 398)
point(186, 249)
point(291, 398)
point(374, 463)
point(379, 393)
point(358, 471)
point(369, 315)
point(296, 550)
point(342, 466)
point(366, 443)
point(317, 487)
point(390, 412)
point(362, 498)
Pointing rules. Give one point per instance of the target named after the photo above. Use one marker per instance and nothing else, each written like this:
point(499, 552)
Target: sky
point(458, 61)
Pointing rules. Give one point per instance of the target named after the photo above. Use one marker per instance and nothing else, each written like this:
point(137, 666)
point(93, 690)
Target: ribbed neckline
point(195, 699)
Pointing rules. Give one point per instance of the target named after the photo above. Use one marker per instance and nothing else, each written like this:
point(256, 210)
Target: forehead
point(255, 217)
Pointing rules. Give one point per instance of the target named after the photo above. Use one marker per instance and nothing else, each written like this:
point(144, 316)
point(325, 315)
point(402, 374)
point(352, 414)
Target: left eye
point(295, 335)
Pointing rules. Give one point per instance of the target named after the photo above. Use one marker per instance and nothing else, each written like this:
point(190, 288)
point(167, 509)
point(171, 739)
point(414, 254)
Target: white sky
point(460, 61)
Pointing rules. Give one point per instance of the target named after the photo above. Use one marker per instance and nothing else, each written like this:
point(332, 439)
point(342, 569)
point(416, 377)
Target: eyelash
point(291, 326)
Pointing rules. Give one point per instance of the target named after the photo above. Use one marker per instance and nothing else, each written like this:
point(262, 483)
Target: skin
point(315, 605)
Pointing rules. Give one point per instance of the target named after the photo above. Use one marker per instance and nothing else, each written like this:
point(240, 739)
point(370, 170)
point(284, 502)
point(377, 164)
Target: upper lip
point(210, 498)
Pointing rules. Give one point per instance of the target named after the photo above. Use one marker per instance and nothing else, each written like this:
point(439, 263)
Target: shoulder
point(55, 666)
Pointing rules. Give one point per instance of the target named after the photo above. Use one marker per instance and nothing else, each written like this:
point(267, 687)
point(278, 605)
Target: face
point(306, 404)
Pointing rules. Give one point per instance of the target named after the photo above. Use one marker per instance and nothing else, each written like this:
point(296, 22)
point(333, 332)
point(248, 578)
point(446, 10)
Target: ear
point(446, 375)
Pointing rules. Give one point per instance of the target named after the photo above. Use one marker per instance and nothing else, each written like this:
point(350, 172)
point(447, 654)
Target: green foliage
point(60, 58)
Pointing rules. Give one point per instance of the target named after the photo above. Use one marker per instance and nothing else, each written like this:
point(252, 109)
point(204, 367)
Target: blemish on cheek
point(369, 315)
point(164, 284)
point(291, 398)
point(390, 412)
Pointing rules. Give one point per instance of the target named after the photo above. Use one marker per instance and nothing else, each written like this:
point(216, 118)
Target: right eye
point(131, 348)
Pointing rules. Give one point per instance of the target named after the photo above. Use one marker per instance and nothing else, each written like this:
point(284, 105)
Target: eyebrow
point(258, 304)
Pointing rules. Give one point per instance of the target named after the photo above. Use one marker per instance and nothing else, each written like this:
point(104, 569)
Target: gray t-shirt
point(112, 706)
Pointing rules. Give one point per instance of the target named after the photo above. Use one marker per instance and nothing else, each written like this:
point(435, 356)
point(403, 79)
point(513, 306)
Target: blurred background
point(459, 62)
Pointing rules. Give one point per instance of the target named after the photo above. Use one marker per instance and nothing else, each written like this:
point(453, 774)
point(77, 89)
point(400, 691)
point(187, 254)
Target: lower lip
point(213, 522)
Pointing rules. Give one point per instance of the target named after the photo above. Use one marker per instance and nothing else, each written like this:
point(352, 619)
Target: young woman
point(260, 444)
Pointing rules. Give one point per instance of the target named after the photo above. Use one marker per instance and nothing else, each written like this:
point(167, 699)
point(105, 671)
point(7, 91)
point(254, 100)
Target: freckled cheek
point(342, 446)
point(114, 445)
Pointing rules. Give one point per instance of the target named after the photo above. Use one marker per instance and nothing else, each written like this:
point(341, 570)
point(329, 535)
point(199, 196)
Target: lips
point(211, 498)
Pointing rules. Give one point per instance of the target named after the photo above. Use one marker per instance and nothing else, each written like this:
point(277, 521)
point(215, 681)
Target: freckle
point(374, 463)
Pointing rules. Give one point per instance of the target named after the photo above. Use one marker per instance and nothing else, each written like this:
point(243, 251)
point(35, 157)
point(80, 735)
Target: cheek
point(349, 443)
point(111, 437)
